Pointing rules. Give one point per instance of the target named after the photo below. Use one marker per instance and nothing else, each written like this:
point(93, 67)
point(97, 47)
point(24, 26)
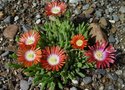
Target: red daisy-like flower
point(28, 57)
point(102, 54)
point(78, 42)
point(55, 8)
point(53, 58)
point(29, 39)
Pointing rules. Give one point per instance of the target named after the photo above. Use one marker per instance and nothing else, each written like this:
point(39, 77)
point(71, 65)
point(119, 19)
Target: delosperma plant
point(57, 52)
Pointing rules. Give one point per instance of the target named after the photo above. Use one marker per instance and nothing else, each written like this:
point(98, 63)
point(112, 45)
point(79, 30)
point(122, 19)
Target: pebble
point(1, 6)
point(10, 31)
point(101, 71)
point(115, 17)
point(87, 80)
point(112, 21)
point(85, 7)
point(1, 14)
point(16, 18)
point(112, 76)
point(73, 1)
point(111, 39)
point(122, 18)
point(98, 14)
point(5, 54)
point(103, 22)
point(25, 27)
point(24, 85)
point(30, 80)
point(122, 9)
point(123, 73)
point(88, 12)
point(73, 88)
point(101, 87)
point(118, 72)
point(38, 16)
point(8, 19)
point(38, 21)
point(110, 87)
point(75, 82)
point(113, 30)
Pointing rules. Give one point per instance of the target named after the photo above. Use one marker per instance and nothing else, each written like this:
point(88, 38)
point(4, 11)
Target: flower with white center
point(53, 58)
point(28, 57)
point(29, 38)
point(55, 8)
point(102, 54)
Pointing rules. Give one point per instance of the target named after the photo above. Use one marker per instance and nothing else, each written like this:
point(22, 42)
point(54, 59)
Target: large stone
point(10, 31)
point(97, 33)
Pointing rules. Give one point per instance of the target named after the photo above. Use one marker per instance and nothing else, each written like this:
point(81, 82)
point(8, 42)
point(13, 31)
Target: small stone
point(111, 39)
point(38, 21)
point(8, 19)
point(5, 54)
point(38, 16)
point(1, 14)
point(97, 32)
point(30, 80)
point(1, 6)
point(98, 14)
point(110, 87)
point(118, 72)
point(112, 76)
point(73, 88)
point(24, 85)
point(110, 9)
point(25, 27)
point(122, 9)
point(123, 74)
point(101, 87)
point(88, 12)
point(10, 31)
point(87, 80)
point(122, 18)
point(85, 7)
point(101, 71)
point(115, 17)
point(103, 22)
point(73, 1)
point(113, 30)
point(16, 18)
point(75, 81)
point(112, 21)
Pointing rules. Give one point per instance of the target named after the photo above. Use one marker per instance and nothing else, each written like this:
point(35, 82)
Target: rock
point(115, 17)
point(111, 39)
point(1, 14)
point(118, 72)
point(25, 27)
point(123, 74)
point(87, 80)
point(112, 76)
point(38, 21)
point(101, 87)
point(38, 16)
point(10, 31)
point(73, 88)
point(101, 71)
point(98, 13)
point(122, 9)
point(24, 85)
point(16, 18)
point(113, 30)
point(73, 1)
point(30, 80)
point(1, 6)
point(97, 33)
point(75, 82)
point(112, 21)
point(110, 87)
point(5, 54)
point(77, 11)
point(85, 7)
point(122, 18)
point(103, 22)
point(110, 9)
point(88, 12)
point(8, 19)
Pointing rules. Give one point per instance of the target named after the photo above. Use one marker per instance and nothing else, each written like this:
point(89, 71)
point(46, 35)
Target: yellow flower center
point(55, 10)
point(30, 40)
point(53, 59)
point(99, 55)
point(79, 42)
point(30, 55)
